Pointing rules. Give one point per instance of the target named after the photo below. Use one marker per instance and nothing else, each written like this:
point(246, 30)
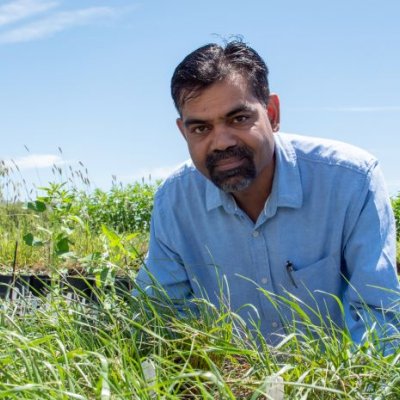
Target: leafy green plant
point(396, 211)
point(56, 221)
point(64, 227)
point(123, 209)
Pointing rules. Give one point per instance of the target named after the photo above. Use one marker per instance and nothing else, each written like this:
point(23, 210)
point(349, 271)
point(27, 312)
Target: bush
point(124, 209)
point(396, 210)
point(64, 227)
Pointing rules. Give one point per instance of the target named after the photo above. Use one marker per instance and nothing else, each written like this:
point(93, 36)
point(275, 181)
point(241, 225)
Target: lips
point(229, 163)
point(232, 157)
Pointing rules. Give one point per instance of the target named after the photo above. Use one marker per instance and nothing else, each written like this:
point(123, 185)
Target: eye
point(200, 129)
point(240, 119)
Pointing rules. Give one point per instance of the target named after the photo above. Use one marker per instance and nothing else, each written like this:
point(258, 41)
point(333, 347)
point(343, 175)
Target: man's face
point(229, 134)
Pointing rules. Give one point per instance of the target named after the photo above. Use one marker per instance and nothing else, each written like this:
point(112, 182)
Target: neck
point(252, 199)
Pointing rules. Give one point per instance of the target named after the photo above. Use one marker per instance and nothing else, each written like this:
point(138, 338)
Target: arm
point(163, 275)
point(370, 252)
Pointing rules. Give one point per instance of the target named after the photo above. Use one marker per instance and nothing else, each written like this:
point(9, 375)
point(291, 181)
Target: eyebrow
point(238, 109)
point(193, 121)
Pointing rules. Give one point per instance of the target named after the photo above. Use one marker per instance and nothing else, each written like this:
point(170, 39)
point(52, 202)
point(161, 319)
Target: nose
point(223, 137)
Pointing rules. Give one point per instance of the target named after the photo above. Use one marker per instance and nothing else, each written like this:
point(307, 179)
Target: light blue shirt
point(328, 215)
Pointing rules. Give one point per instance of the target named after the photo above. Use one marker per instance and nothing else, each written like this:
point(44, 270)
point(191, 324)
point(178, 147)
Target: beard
point(235, 179)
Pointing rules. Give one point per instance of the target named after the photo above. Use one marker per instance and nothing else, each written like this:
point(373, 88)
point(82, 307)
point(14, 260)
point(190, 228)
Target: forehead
point(219, 99)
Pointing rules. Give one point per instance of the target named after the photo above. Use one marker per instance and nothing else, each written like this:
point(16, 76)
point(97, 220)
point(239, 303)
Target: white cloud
point(35, 161)
point(20, 9)
point(57, 22)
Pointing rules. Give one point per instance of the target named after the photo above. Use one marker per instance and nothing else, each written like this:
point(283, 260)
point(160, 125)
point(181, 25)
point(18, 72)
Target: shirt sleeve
point(372, 295)
point(163, 274)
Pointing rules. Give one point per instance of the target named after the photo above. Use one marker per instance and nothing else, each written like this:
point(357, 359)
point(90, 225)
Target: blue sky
point(92, 78)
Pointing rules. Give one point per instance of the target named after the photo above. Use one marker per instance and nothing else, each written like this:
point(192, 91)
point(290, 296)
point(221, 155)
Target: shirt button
point(256, 233)
point(274, 324)
point(264, 281)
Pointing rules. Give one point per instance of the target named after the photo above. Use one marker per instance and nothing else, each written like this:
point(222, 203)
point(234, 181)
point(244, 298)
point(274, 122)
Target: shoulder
point(309, 149)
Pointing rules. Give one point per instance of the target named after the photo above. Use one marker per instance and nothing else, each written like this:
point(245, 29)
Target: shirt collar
point(286, 188)
point(216, 198)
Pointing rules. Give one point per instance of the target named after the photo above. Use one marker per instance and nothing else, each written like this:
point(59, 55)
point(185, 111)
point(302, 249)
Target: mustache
point(218, 155)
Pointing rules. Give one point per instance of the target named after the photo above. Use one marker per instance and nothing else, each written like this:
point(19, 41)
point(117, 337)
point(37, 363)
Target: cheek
point(196, 149)
point(267, 151)
point(198, 155)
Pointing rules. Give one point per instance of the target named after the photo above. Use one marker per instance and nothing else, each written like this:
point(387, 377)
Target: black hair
point(212, 63)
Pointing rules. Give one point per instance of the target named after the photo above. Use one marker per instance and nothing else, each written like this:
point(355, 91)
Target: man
point(258, 217)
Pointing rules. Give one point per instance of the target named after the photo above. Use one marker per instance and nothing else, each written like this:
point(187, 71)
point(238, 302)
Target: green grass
point(67, 351)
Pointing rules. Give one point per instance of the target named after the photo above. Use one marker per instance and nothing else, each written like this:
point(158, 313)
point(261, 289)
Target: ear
point(273, 110)
point(181, 127)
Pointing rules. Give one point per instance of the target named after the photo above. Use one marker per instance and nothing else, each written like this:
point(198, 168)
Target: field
point(118, 347)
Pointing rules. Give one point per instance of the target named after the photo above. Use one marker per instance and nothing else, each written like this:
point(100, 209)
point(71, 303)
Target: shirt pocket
point(317, 283)
point(321, 275)
point(317, 289)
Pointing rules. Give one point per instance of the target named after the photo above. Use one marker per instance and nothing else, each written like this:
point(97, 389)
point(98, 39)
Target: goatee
point(235, 179)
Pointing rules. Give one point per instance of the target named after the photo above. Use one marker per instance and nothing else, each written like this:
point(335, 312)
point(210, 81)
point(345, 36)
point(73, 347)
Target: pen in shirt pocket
point(290, 269)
